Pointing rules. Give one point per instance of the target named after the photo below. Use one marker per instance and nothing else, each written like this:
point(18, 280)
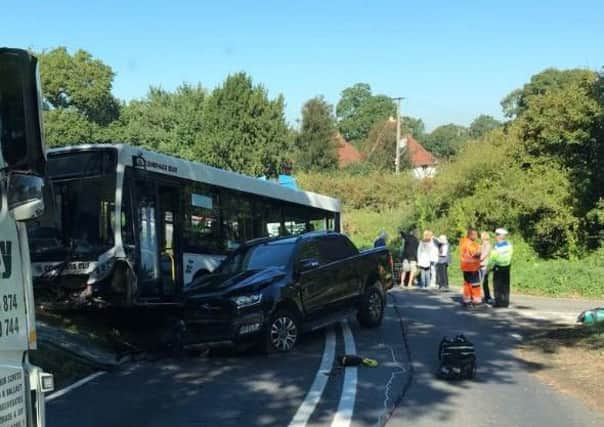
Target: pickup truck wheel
point(371, 310)
point(282, 332)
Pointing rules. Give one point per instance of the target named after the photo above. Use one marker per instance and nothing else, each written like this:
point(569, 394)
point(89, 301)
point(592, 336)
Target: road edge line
point(73, 386)
point(311, 400)
point(343, 416)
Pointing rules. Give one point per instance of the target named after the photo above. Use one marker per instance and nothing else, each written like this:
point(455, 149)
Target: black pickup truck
point(269, 291)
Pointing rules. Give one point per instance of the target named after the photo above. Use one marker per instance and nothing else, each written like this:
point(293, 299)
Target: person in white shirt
point(444, 259)
point(426, 254)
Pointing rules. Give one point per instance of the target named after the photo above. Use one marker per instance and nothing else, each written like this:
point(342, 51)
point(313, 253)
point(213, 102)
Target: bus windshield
point(80, 221)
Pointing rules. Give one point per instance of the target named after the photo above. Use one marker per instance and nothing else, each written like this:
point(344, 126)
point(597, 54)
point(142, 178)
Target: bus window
point(294, 220)
point(331, 222)
point(237, 219)
point(201, 230)
point(317, 220)
point(268, 218)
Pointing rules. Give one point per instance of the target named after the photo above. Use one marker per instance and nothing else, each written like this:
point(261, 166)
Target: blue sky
point(452, 59)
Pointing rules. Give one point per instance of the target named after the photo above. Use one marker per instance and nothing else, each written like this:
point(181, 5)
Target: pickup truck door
point(314, 278)
point(343, 260)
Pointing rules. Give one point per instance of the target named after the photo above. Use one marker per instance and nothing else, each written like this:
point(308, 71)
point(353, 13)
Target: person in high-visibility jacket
point(470, 266)
point(500, 262)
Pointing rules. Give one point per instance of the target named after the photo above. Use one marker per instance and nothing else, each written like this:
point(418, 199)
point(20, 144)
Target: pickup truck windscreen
point(258, 257)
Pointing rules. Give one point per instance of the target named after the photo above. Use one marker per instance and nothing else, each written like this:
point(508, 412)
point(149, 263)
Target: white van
point(22, 167)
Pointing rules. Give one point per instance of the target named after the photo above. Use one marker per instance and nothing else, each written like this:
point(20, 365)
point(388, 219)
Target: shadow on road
point(212, 391)
point(496, 335)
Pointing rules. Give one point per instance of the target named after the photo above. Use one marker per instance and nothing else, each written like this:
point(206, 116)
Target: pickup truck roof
point(305, 236)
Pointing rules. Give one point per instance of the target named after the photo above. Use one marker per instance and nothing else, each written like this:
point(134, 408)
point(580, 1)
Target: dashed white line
point(73, 386)
point(316, 389)
point(343, 416)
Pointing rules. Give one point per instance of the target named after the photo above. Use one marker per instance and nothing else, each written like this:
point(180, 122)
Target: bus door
point(170, 238)
point(148, 259)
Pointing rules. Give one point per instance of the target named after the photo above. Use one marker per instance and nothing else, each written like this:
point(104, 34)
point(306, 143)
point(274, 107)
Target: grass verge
point(570, 359)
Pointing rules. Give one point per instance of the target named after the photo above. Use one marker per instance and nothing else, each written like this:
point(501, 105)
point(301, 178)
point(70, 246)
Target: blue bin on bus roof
point(288, 181)
point(284, 180)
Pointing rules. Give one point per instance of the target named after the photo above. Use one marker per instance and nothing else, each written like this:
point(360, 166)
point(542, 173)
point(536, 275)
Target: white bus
point(22, 165)
point(131, 226)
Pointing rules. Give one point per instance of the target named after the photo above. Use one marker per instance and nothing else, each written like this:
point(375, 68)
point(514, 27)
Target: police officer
point(500, 261)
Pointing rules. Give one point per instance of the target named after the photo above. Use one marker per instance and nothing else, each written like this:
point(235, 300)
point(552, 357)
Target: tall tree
point(358, 110)
point(170, 122)
point(558, 116)
point(413, 126)
point(483, 124)
point(243, 130)
point(445, 141)
point(78, 103)
point(379, 148)
point(79, 82)
point(316, 144)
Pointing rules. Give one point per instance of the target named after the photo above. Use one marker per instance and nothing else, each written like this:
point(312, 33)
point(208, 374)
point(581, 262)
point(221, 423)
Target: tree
point(445, 141)
point(170, 122)
point(68, 127)
point(379, 148)
point(78, 104)
point(558, 118)
point(78, 82)
point(413, 126)
point(358, 110)
point(316, 144)
point(483, 124)
point(243, 130)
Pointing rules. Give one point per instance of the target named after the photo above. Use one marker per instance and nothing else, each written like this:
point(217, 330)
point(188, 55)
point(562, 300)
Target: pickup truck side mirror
point(25, 196)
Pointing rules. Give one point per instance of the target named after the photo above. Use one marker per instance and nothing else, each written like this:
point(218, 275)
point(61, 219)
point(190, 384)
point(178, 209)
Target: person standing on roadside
point(380, 242)
point(500, 261)
point(409, 255)
point(469, 250)
point(442, 266)
point(434, 260)
point(485, 251)
point(425, 257)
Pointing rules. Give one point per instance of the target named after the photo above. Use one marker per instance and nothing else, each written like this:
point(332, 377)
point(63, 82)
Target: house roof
point(418, 155)
point(347, 153)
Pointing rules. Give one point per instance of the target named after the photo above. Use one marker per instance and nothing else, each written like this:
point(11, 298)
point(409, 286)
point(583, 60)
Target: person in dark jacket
point(380, 242)
point(409, 256)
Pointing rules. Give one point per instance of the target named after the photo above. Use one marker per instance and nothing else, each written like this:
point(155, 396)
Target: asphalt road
point(292, 390)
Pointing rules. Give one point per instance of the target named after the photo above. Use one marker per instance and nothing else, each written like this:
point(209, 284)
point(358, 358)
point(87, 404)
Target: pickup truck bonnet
point(227, 283)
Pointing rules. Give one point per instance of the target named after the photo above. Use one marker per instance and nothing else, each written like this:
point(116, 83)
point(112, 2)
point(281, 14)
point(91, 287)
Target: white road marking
point(73, 386)
point(349, 390)
point(316, 389)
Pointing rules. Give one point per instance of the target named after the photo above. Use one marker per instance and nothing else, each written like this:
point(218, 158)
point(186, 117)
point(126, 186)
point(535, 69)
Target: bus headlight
point(247, 300)
point(101, 271)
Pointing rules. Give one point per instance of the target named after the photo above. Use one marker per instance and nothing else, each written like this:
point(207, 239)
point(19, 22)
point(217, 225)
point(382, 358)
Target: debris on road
point(457, 358)
point(591, 317)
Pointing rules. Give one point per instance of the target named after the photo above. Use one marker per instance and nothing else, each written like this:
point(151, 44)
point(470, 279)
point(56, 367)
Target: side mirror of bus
point(21, 135)
point(25, 196)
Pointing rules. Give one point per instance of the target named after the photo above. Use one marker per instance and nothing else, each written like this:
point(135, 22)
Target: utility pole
point(397, 159)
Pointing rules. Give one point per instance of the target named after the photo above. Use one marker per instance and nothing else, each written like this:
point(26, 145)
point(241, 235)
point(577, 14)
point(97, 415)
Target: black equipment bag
point(457, 358)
